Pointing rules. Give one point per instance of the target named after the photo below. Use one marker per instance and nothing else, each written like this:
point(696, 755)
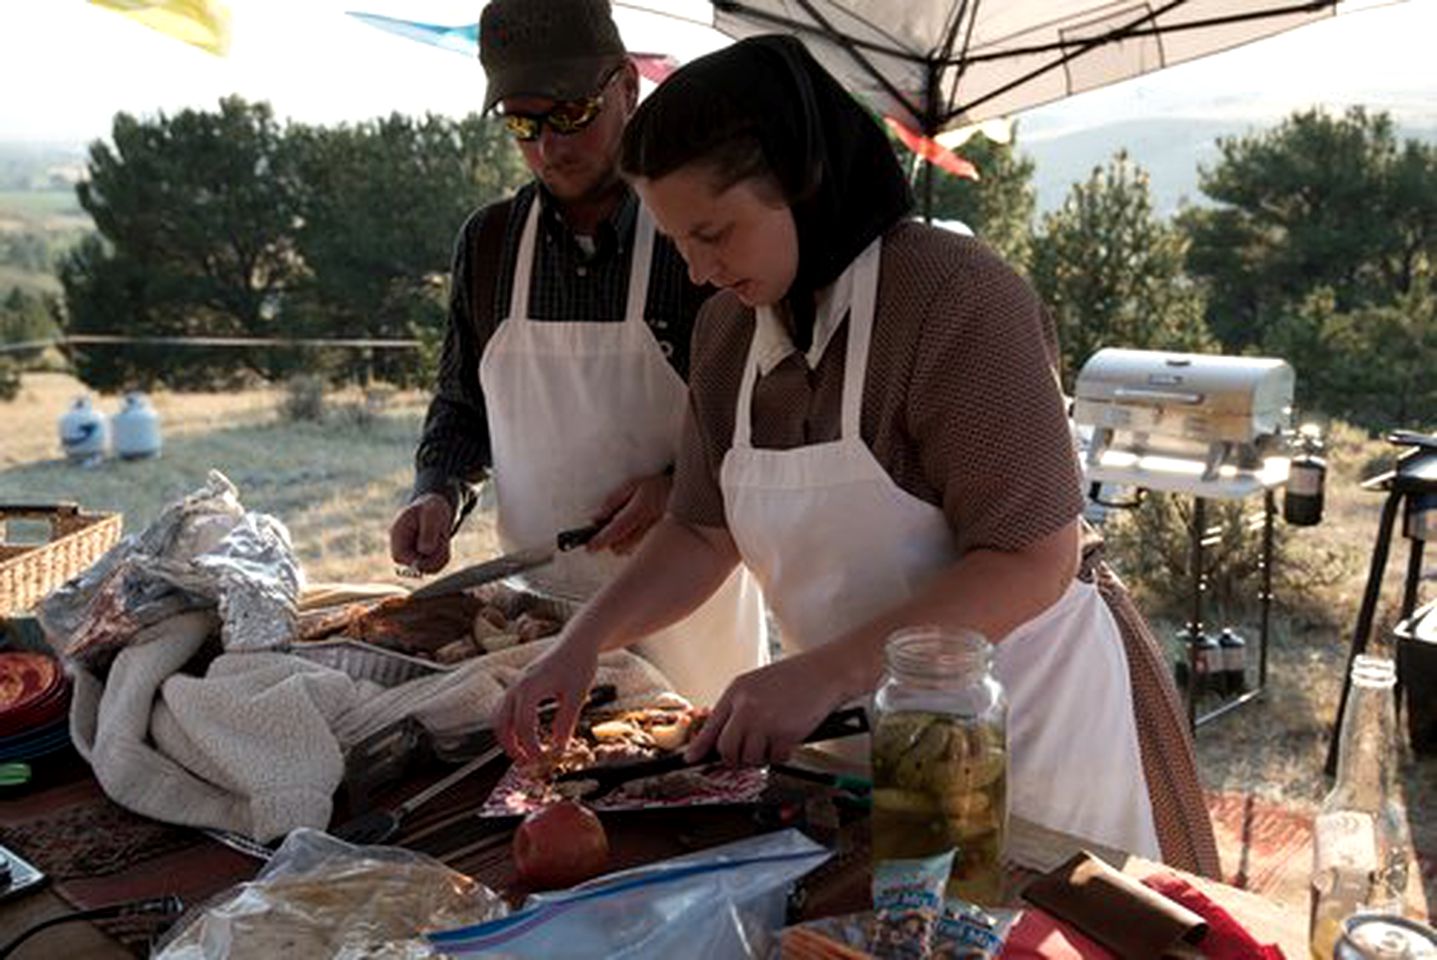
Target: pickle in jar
point(940, 783)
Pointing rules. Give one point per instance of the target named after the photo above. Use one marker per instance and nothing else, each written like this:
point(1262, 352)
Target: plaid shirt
point(569, 285)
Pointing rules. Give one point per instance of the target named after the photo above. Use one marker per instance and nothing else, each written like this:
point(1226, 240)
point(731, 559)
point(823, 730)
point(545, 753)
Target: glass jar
point(1360, 841)
point(940, 758)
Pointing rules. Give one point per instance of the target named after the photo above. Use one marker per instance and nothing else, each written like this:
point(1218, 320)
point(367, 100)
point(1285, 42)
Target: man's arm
point(454, 450)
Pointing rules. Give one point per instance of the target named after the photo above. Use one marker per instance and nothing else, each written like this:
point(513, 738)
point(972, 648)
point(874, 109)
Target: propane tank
point(136, 428)
point(84, 432)
point(1234, 661)
point(1208, 675)
point(1420, 520)
point(1306, 480)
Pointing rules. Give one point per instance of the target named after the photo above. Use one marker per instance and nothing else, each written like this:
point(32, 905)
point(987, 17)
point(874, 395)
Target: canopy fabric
point(463, 38)
point(202, 23)
point(939, 64)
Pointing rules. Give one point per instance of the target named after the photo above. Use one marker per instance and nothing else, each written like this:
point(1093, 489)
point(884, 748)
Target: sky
point(67, 66)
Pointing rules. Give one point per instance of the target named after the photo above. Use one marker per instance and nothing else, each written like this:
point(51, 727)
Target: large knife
point(507, 565)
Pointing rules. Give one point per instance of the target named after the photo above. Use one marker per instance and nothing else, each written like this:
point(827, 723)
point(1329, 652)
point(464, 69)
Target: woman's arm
point(678, 567)
point(764, 714)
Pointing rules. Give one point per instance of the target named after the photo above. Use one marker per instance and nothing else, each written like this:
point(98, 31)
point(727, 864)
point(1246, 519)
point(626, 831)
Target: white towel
point(256, 745)
point(247, 748)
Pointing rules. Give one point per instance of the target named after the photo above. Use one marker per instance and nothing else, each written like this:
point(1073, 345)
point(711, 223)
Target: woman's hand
point(629, 511)
point(563, 674)
point(767, 712)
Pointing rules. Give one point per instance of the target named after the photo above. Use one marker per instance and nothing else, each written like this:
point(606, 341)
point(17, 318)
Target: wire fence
point(82, 339)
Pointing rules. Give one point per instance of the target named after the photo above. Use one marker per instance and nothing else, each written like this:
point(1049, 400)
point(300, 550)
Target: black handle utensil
point(508, 565)
point(377, 826)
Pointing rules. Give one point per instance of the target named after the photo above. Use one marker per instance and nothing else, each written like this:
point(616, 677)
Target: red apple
point(560, 845)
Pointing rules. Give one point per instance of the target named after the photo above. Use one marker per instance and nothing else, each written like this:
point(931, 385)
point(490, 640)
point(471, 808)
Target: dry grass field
point(337, 483)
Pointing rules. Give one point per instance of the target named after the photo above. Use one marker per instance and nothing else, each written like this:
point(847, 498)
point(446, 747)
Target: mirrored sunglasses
point(564, 117)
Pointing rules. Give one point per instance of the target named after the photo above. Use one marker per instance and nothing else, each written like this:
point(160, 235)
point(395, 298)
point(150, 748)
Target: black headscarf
point(834, 162)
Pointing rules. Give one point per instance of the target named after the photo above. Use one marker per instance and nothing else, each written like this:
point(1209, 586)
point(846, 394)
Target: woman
point(875, 430)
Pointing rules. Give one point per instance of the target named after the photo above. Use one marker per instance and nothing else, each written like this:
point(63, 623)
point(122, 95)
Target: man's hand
point(419, 536)
point(630, 511)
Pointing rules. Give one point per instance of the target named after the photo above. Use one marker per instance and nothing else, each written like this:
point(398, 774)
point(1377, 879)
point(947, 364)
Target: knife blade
point(508, 565)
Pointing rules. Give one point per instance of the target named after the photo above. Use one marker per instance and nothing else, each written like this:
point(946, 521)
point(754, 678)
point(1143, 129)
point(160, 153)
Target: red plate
point(48, 709)
point(27, 680)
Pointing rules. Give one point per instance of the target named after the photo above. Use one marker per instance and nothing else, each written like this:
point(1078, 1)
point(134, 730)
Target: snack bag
point(908, 898)
point(964, 931)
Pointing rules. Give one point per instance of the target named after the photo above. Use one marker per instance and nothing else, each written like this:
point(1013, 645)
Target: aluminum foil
point(205, 550)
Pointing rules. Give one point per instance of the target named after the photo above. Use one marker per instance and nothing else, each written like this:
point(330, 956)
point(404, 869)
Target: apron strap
point(640, 265)
point(743, 416)
point(855, 365)
point(860, 334)
point(524, 262)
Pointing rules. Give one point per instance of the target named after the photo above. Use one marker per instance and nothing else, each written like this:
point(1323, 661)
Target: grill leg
point(1414, 576)
point(1269, 510)
point(1199, 584)
point(1365, 615)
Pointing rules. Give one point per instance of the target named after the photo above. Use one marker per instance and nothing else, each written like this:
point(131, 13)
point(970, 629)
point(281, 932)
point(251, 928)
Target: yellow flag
point(204, 23)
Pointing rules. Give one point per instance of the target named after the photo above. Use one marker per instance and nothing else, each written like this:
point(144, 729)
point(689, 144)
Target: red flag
point(655, 66)
point(932, 151)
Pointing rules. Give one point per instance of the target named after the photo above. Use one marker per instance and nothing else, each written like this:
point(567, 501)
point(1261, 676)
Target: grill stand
point(1414, 477)
point(1199, 534)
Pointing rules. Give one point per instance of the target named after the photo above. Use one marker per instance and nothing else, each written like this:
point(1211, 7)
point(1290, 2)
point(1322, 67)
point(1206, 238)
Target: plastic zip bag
point(721, 903)
point(319, 897)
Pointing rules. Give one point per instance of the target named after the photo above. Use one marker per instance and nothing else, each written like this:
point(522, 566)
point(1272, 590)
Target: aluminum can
point(1384, 936)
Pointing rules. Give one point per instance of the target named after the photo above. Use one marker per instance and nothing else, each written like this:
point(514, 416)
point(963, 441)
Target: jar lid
point(937, 651)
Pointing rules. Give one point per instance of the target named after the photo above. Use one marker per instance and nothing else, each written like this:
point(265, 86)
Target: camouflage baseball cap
point(547, 48)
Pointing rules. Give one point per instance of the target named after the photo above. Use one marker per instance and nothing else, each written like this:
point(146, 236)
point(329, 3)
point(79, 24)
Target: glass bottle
point(1360, 842)
point(940, 758)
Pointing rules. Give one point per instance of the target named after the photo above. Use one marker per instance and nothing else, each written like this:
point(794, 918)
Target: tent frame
point(933, 115)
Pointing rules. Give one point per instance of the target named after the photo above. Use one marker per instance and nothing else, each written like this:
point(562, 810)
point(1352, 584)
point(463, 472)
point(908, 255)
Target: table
point(840, 886)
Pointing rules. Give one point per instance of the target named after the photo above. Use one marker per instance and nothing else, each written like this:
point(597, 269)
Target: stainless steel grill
point(1212, 426)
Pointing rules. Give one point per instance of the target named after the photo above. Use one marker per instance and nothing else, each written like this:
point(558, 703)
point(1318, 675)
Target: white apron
point(574, 410)
point(835, 543)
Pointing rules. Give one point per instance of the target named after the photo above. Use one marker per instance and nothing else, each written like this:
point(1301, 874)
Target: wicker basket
point(29, 571)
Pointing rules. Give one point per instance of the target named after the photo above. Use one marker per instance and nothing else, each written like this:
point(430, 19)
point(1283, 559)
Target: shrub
point(1151, 547)
point(304, 398)
point(9, 379)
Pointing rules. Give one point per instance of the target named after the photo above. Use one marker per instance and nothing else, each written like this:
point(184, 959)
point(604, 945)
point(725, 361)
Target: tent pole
point(927, 191)
point(930, 129)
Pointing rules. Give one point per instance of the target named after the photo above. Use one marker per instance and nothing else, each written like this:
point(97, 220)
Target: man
point(563, 366)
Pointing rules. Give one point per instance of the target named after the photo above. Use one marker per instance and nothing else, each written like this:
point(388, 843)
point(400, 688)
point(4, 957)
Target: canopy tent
point(464, 39)
point(935, 65)
point(201, 23)
point(938, 64)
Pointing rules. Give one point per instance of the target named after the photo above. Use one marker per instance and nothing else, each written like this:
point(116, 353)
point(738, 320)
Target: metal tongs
point(379, 825)
point(601, 781)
